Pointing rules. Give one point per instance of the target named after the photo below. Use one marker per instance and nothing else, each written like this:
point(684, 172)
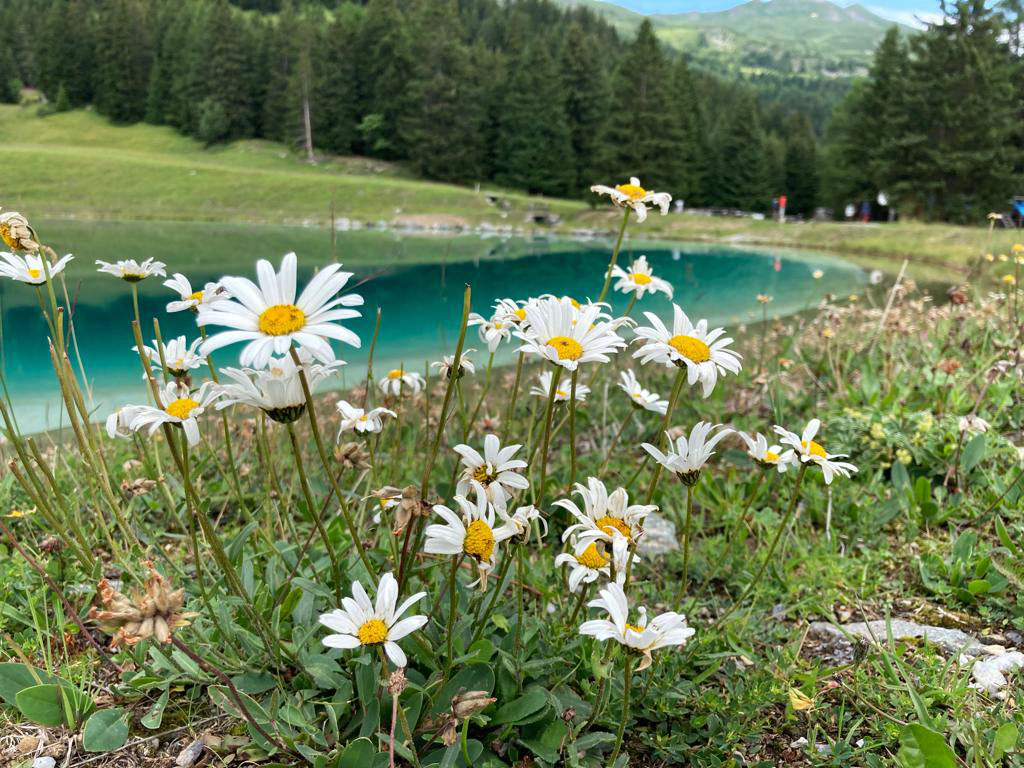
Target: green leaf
point(53, 705)
point(155, 716)
point(922, 747)
point(900, 478)
point(978, 586)
point(973, 453)
point(1004, 537)
point(1005, 740)
point(106, 730)
point(15, 677)
point(519, 709)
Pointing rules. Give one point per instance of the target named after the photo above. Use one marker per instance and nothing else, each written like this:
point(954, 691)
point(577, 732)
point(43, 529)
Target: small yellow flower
point(827, 333)
point(989, 257)
point(800, 701)
point(764, 298)
point(903, 456)
point(14, 514)
point(1003, 257)
point(1009, 280)
point(877, 431)
point(1017, 248)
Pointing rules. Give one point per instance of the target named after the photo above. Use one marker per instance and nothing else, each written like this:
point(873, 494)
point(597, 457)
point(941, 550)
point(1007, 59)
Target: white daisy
point(120, 421)
point(473, 533)
point(398, 381)
point(520, 523)
point(270, 319)
point(604, 514)
point(507, 317)
point(663, 630)
point(641, 398)
point(566, 336)
point(495, 472)
point(132, 271)
point(190, 299)
point(361, 420)
point(180, 356)
point(639, 279)
point(804, 448)
point(687, 457)
point(361, 623)
point(589, 561)
point(445, 364)
point(564, 391)
point(29, 268)
point(635, 196)
point(17, 233)
point(703, 352)
point(764, 454)
point(277, 389)
point(178, 406)
point(973, 424)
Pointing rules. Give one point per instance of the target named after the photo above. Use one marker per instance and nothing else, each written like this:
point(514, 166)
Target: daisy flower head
point(767, 456)
point(589, 561)
point(566, 336)
point(361, 420)
point(639, 279)
point(190, 299)
point(361, 623)
point(120, 421)
point(520, 523)
point(806, 450)
point(507, 317)
point(277, 389)
point(634, 196)
point(132, 271)
point(687, 456)
point(641, 398)
point(179, 356)
point(704, 353)
point(447, 363)
point(397, 381)
point(643, 637)
point(473, 533)
point(29, 268)
point(17, 233)
point(270, 319)
point(604, 514)
point(179, 406)
point(495, 472)
point(564, 391)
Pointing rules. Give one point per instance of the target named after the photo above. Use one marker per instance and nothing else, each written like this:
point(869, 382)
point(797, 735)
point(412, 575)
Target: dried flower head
point(140, 486)
point(948, 366)
point(352, 456)
point(397, 682)
point(155, 613)
point(468, 703)
point(16, 232)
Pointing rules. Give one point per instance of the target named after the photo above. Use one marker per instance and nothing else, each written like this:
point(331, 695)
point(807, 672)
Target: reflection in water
point(421, 308)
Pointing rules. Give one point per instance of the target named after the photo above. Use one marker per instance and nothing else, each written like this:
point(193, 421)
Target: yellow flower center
point(635, 628)
point(35, 274)
point(482, 475)
point(393, 375)
point(692, 349)
point(479, 540)
point(5, 233)
point(198, 296)
point(641, 279)
point(591, 558)
point(609, 524)
point(575, 304)
point(561, 393)
point(497, 325)
point(181, 408)
point(632, 191)
point(567, 349)
point(372, 632)
point(520, 314)
point(282, 319)
point(770, 457)
point(814, 449)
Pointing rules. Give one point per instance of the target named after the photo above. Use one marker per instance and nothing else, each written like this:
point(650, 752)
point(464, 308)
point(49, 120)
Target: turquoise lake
point(417, 281)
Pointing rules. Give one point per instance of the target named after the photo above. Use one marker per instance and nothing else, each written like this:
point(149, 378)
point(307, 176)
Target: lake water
point(418, 282)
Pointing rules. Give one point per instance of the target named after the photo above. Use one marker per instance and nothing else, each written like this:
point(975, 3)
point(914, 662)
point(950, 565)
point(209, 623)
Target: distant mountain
point(813, 37)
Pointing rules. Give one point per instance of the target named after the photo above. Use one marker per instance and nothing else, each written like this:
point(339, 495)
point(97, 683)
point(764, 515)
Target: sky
point(909, 12)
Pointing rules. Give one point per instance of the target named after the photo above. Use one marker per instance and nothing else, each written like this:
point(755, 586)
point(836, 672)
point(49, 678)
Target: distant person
point(782, 208)
point(865, 212)
point(679, 204)
point(851, 209)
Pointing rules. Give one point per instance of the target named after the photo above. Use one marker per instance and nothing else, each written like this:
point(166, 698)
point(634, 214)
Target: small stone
point(988, 673)
point(994, 650)
point(190, 754)
point(659, 536)
point(43, 762)
point(949, 640)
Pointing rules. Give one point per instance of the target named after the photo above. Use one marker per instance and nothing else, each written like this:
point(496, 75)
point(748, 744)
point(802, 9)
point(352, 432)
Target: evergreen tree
point(740, 178)
point(223, 79)
point(801, 167)
point(335, 95)
point(123, 59)
point(384, 73)
point(688, 160)
point(587, 99)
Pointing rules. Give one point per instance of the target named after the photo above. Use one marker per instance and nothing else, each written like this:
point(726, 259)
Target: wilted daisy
point(120, 421)
point(398, 381)
point(764, 454)
point(639, 279)
point(635, 197)
point(566, 336)
point(178, 406)
point(641, 397)
point(564, 391)
point(179, 356)
point(520, 523)
point(17, 233)
point(704, 353)
point(588, 561)
point(132, 271)
point(190, 299)
point(973, 424)
point(495, 472)
point(361, 623)
point(508, 316)
point(447, 363)
point(270, 319)
point(804, 447)
point(663, 630)
point(604, 514)
point(277, 389)
point(687, 456)
point(29, 268)
point(361, 420)
point(473, 534)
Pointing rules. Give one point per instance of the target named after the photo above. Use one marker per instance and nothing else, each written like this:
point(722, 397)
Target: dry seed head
point(157, 612)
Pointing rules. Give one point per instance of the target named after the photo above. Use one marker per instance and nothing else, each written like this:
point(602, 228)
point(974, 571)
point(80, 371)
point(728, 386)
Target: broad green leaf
point(155, 716)
point(1005, 740)
point(475, 677)
point(973, 453)
point(978, 586)
point(519, 709)
point(15, 677)
point(106, 730)
point(922, 747)
point(52, 705)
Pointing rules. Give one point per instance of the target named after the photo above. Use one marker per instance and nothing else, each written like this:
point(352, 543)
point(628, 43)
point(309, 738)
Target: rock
point(659, 537)
point(988, 673)
point(43, 762)
point(949, 640)
point(188, 756)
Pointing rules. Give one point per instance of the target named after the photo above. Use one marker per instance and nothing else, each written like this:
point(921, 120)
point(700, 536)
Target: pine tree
point(385, 70)
point(687, 162)
point(801, 166)
point(587, 98)
point(123, 59)
point(335, 96)
point(223, 79)
point(740, 178)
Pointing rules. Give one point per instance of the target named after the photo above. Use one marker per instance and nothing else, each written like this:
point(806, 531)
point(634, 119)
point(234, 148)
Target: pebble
point(188, 756)
point(988, 673)
point(43, 762)
point(949, 640)
point(659, 536)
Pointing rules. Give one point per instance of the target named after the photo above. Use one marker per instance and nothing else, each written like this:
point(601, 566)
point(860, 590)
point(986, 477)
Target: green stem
point(515, 391)
point(483, 394)
point(683, 583)
point(677, 387)
point(627, 684)
point(538, 490)
point(579, 605)
point(572, 427)
point(453, 604)
point(615, 255)
point(498, 589)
